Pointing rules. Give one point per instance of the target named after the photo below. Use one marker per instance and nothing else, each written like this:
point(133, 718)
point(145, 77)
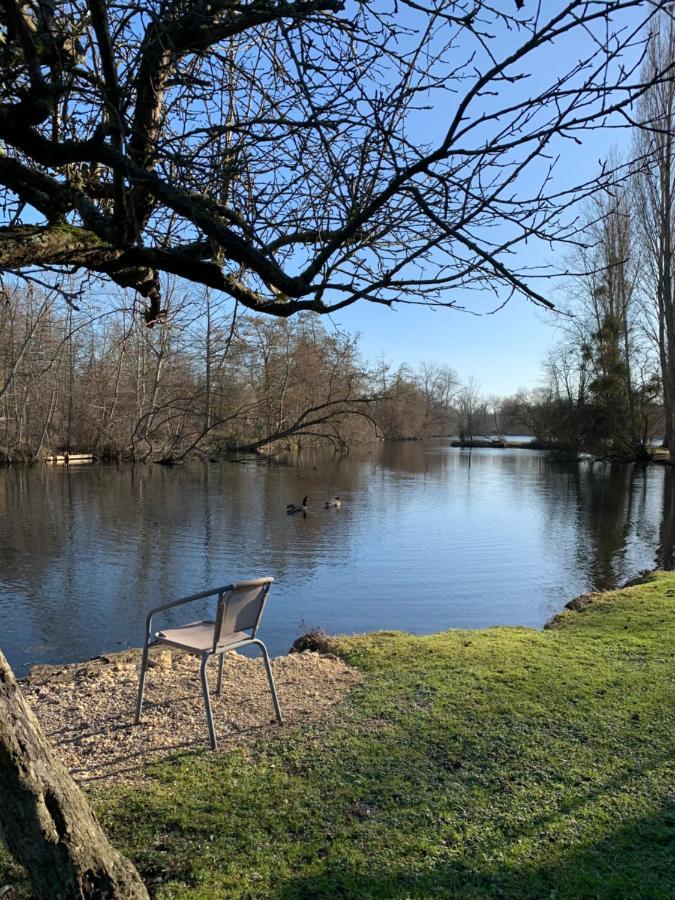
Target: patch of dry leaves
point(87, 709)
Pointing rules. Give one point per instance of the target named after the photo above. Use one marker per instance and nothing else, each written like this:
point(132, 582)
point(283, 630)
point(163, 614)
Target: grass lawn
point(497, 763)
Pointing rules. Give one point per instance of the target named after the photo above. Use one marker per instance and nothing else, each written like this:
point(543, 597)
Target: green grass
point(497, 763)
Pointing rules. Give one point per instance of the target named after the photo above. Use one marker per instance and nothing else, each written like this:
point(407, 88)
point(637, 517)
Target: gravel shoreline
point(87, 708)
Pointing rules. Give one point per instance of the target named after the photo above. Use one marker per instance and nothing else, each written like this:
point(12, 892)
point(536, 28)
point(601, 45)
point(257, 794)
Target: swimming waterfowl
point(333, 503)
point(296, 508)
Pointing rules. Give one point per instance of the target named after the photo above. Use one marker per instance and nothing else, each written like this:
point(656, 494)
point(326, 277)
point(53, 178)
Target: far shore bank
point(658, 455)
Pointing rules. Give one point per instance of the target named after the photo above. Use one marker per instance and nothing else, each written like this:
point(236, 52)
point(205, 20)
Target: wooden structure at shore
point(498, 444)
point(70, 459)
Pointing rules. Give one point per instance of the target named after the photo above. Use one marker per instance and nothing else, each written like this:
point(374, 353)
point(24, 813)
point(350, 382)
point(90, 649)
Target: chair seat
point(197, 636)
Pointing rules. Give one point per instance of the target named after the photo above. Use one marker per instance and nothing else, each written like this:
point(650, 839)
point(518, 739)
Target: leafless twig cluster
point(308, 154)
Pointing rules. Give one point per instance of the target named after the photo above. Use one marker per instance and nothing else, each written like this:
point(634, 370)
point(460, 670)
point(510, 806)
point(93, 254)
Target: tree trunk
point(45, 819)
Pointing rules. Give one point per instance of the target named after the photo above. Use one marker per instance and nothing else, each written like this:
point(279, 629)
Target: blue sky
point(503, 351)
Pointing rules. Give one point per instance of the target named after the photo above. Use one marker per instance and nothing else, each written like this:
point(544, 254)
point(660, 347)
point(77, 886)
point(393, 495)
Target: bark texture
point(45, 819)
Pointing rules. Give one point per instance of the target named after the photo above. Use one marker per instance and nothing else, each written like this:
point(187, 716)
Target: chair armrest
point(214, 592)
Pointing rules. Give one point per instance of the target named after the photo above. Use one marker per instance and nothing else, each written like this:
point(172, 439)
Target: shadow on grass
point(634, 862)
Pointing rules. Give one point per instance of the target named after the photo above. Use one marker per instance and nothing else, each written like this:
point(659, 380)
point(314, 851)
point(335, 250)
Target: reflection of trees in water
point(415, 458)
point(665, 557)
point(607, 508)
point(405, 457)
point(605, 504)
point(34, 512)
point(86, 552)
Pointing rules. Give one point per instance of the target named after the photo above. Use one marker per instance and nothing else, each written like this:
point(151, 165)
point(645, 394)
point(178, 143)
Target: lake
point(428, 537)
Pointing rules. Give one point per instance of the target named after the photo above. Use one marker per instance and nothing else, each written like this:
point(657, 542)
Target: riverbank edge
point(659, 456)
point(316, 641)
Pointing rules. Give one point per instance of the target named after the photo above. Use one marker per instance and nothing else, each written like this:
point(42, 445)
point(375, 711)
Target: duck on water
point(293, 508)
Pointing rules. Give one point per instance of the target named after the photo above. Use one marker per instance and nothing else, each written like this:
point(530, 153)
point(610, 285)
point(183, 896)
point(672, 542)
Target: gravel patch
point(87, 709)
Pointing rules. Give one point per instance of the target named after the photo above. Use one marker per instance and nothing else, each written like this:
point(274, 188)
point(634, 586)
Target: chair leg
point(207, 703)
point(141, 681)
point(220, 674)
point(270, 678)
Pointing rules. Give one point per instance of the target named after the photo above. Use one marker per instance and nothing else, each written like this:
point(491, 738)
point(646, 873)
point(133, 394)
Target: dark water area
point(427, 538)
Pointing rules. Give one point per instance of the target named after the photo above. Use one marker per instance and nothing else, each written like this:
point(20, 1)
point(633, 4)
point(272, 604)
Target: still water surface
point(428, 537)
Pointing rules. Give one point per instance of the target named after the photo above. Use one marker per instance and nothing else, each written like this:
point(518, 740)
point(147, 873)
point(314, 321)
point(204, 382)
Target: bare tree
point(655, 195)
point(402, 407)
point(471, 410)
point(303, 384)
point(438, 385)
point(612, 365)
point(493, 410)
point(251, 148)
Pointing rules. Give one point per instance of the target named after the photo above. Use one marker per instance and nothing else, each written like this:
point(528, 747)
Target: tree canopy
point(303, 154)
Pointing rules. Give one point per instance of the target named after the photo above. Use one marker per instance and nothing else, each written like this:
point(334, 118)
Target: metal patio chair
point(238, 612)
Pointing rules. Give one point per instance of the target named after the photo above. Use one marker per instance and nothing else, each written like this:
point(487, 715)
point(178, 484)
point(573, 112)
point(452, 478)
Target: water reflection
point(667, 521)
point(428, 537)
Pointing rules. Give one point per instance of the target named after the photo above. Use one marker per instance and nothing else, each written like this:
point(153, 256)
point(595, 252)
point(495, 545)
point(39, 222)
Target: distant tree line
point(202, 382)
point(108, 385)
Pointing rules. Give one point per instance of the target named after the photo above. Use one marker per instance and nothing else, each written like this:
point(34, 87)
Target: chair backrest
point(240, 608)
